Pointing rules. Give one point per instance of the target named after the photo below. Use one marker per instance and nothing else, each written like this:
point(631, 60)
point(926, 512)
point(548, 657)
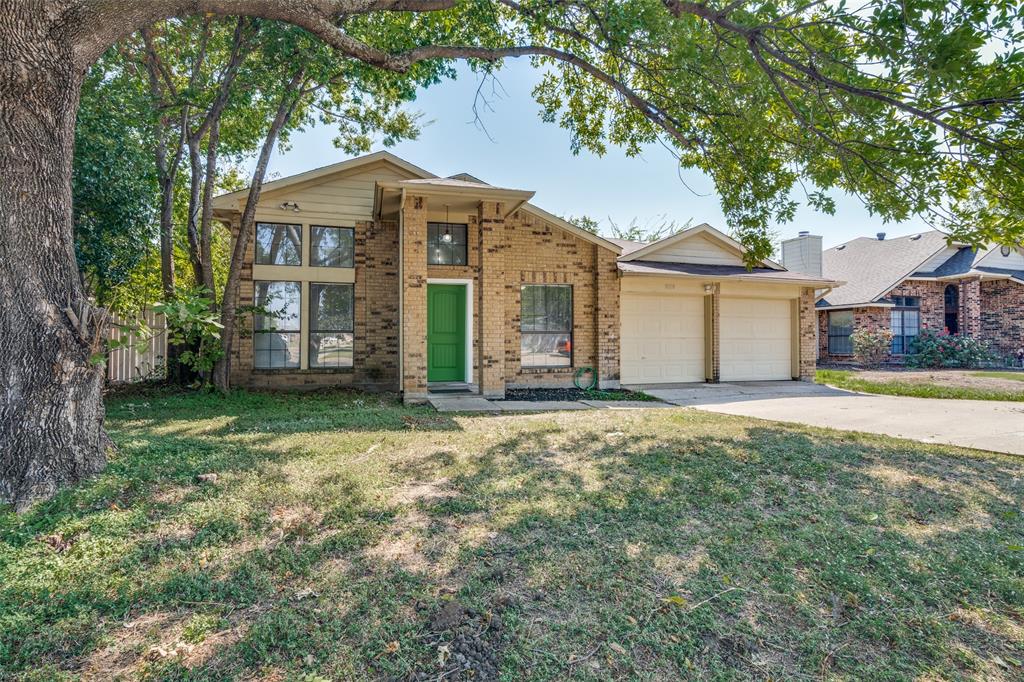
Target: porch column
point(414, 299)
point(805, 339)
point(607, 319)
point(491, 300)
point(712, 308)
point(970, 295)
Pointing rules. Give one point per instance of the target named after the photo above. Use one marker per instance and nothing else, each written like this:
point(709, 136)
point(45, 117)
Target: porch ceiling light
point(447, 236)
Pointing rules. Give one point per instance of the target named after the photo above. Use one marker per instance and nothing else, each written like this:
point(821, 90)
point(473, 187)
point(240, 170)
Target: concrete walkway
point(982, 424)
point(475, 403)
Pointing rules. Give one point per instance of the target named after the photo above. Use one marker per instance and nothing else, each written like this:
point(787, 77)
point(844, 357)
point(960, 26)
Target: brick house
point(916, 282)
point(378, 274)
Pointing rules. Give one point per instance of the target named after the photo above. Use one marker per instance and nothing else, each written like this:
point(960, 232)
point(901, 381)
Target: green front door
point(446, 332)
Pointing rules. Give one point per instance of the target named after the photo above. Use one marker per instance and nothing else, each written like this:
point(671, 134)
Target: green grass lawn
point(1012, 376)
point(851, 381)
point(348, 537)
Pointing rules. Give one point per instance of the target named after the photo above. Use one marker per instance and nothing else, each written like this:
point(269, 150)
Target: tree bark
point(51, 405)
point(229, 301)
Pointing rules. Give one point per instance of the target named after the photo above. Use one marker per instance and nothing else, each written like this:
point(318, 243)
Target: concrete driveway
point(982, 424)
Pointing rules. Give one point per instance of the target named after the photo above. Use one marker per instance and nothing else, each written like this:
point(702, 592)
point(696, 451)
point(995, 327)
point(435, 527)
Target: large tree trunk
point(51, 406)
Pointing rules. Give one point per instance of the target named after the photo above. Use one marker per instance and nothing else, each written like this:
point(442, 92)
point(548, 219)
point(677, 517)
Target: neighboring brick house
point(383, 276)
point(920, 282)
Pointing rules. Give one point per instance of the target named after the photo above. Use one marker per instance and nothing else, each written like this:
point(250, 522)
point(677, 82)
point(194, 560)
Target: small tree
point(870, 348)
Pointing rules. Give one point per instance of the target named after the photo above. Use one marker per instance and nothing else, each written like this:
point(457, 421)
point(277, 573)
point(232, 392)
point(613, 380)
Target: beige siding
point(338, 200)
point(697, 249)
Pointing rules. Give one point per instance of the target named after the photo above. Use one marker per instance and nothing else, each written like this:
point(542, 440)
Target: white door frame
point(468, 283)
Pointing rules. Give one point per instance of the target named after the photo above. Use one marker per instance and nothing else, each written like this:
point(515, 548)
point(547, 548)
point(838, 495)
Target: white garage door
point(755, 339)
point(662, 338)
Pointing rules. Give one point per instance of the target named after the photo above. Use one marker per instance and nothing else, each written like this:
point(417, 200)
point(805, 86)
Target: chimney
point(803, 254)
point(881, 236)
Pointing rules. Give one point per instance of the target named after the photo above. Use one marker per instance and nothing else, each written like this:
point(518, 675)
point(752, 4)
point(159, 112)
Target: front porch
point(464, 255)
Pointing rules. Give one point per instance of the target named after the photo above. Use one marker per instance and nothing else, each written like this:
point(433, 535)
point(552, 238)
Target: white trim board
point(468, 283)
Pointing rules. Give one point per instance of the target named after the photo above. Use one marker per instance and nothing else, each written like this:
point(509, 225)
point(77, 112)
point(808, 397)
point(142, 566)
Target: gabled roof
point(732, 272)
point(223, 200)
point(727, 242)
point(872, 267)
point(230, 200)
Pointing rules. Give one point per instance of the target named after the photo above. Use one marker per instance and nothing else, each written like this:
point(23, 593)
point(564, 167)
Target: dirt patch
point(943, 377)
point(468, 644)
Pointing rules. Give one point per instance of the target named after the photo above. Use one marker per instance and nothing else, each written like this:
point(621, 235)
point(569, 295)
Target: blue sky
point(519, 150)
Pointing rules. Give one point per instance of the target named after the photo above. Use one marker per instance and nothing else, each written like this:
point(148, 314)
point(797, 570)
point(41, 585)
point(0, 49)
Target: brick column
point(712, 309)
point(807, 321)
point(414, 300)
point(970, 307)
point(607, 330)
point(491, 301)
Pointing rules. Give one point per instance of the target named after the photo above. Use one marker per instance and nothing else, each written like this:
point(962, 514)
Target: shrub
point(192, 323)
point(871, 348)
point(933, 349)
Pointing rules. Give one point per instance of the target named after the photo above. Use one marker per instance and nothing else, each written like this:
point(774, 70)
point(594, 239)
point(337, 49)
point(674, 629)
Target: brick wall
point(807, 318)
point(1002, 315)
point(980, 311)
point(414, 300)
point(538, 253)
point(502, 254)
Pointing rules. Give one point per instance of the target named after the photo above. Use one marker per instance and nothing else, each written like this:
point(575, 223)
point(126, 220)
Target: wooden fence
point(143, 358)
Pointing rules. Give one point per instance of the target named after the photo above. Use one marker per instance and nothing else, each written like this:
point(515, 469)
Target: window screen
point(546, 325)
point(840, 327)
point(276, 334)
point(331, 326)
point(332, 247)
point(278, 244)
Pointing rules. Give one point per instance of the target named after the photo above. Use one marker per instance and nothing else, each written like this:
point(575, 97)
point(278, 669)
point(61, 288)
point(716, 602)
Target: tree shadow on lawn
point(604, 548)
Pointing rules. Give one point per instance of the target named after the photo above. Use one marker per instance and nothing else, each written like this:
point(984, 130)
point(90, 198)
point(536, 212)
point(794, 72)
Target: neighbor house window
point(332, 247)
point(331, 326)
point(446, 244)
point(905, 321)
point(278, 244)
point(952, 305)
point(546, 325)
point(276, 325)
point(840, 329)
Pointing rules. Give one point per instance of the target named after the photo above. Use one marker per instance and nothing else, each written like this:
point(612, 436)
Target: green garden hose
point(591, 382)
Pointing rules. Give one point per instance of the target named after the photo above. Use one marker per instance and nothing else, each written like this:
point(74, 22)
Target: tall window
point(275, 338)
point(546, 325)
point(446, 244)
point(905, 320)
point(952, 300)
point(332, 247)
point(331, 315)
point(840, 327)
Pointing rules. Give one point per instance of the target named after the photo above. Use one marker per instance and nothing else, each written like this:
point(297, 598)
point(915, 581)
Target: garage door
point(755, 339)
point(662, 338)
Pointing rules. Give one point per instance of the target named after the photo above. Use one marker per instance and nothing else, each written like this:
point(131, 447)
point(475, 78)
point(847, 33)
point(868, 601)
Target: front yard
point(348, 537)
point(930, 383)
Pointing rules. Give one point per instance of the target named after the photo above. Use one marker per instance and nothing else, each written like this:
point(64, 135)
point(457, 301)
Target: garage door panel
point(756, 339)
point(662, 338)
